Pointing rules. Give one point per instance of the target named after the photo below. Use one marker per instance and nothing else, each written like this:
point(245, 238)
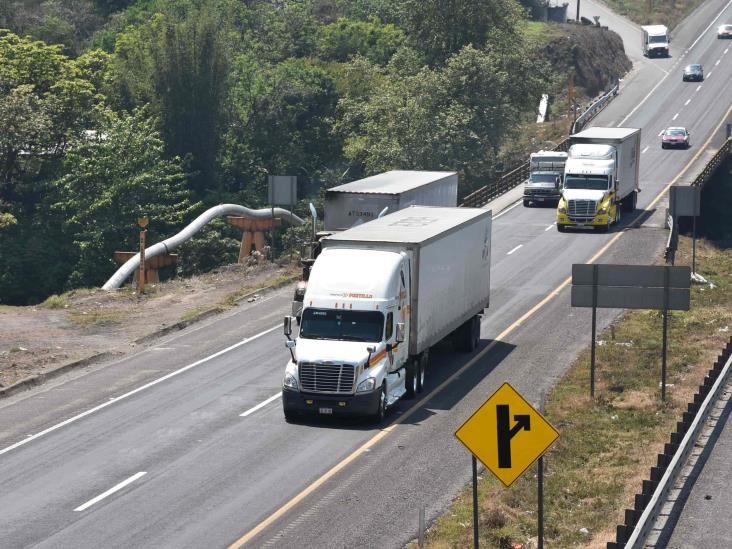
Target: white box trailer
point(379, 296)
point(360, 201)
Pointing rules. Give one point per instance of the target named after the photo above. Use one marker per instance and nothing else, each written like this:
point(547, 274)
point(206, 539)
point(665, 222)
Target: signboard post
point(686, 201)
point(281, 191)
point(142, 222)
point(631, 287)
point(507, 435)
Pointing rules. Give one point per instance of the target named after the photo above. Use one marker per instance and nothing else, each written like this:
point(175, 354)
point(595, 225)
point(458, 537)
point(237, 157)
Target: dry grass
point(649, 12)
point(606, 447)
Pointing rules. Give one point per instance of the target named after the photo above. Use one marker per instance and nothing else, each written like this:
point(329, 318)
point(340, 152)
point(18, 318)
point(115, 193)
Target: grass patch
point(648, 12)
point(97, 317)
point(194, 313)
point(606, 447)
point(54, 302)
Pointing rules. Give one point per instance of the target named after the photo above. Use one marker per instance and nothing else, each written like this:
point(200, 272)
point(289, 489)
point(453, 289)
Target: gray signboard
point(282, 190)
point(631, 286)
point(684, 201)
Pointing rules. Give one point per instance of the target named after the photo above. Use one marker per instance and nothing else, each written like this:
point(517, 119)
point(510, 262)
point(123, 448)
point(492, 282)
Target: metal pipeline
point(166, 246)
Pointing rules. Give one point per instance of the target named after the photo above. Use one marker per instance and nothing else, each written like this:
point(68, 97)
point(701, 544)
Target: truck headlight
point(602, 211)
point(366, 385)
point(290, 381)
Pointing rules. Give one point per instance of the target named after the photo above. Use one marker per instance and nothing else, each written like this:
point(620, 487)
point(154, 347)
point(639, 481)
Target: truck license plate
point(326, 411)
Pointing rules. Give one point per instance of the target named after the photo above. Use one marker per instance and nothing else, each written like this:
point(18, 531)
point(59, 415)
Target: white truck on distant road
point(655, 41)
point(365, 199)
point(379, 296)
point(546, 172)
point(600, 178)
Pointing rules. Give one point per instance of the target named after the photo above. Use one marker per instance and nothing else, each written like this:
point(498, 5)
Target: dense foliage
point(112, 110)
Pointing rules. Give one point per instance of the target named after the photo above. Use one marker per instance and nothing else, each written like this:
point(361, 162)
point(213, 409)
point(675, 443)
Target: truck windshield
point(657, 39)
point(543, 178)
point(342, 325)
point(591, 182)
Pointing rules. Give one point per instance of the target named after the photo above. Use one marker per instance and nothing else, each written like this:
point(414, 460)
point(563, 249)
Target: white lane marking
point(708, 76)
point(675, 116)
point(549, 227)
point(162, 348)
point(516, 248)
point(135, 391)
point(710, 25)
point(687, 102)
point(698, 87)
point(644, 150)
point(504, 212)
point(638, 106)
point(717, 63)
point(725, 51)
point(111, 491)
point(660, 133)
point(261, 405)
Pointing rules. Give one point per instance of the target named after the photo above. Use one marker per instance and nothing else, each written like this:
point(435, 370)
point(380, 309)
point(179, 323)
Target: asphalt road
point(153, 450)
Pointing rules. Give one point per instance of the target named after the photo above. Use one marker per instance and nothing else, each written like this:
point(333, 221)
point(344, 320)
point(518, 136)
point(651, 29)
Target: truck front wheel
point(378, 417)
point(424, 362)
point(411, 380)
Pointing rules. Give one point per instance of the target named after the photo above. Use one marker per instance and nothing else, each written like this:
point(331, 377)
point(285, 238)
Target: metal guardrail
point(515, 177)
point(595, 108)
point(714, 163)
point(675, 456)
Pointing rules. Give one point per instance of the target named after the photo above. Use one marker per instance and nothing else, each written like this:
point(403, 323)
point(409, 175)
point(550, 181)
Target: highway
point(183, 443)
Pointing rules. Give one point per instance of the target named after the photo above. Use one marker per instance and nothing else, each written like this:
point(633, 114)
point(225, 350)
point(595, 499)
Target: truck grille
point(327, 378)
point(543, 192)
point(581, 209)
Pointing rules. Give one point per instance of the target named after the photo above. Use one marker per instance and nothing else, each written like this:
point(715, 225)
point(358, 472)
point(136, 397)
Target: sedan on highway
point(693, 73)
point(724, 31)
point(675, 137)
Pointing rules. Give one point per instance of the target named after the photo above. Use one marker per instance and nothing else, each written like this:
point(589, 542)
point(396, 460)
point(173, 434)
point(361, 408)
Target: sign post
point(281, 191)
point(686, 201)
point(142, 222)
point(507, 435)
point(631, 287)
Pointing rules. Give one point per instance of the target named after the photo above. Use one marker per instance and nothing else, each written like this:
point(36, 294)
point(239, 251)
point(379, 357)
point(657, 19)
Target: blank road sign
point(684, 201)
point(507, 434)
point(632, 286)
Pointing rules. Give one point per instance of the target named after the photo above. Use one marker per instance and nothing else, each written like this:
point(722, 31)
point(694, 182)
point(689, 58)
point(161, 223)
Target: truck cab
point(350, 354)
point(545, 177)
point(655, 40)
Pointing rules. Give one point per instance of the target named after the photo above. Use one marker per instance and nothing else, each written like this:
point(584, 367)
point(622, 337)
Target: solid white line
point(111, 491)
point(506, 210)
point(675, 116)
point(698, 87)
point(516, 248)
point(644, 150)
point(687, 102)
point(717, 63)
point(135, 391)
point(549, 227)
point(261, 405)
point(638, 106)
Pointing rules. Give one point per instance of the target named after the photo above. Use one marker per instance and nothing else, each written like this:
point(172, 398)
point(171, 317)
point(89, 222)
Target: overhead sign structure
point(507, 434)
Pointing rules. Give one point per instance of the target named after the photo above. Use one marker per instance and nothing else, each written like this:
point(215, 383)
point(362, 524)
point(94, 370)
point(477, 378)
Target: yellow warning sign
point(507, 434)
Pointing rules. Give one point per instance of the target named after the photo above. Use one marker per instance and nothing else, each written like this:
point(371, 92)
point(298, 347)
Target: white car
point(724, 31)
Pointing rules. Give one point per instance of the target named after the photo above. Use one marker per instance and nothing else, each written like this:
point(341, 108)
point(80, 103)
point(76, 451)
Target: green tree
point(181, 68)
point(441, 28)
point(345, 38)
point(112, 179)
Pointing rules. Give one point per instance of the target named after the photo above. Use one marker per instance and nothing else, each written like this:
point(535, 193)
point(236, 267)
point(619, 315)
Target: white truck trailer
point(360, 201)
point(546, 172)
point(655, 40)
point(600, 178)
point(364, 200)
point(380, 295)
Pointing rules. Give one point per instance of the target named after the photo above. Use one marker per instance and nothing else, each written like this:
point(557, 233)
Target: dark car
point(693, 73)
point(675, 137)
point(724, 31)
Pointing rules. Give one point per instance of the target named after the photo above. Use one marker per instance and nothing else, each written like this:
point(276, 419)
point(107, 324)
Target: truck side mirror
point(288, 326)
point(399, 332)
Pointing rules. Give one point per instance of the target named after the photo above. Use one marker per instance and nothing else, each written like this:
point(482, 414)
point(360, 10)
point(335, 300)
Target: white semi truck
point(655, 40)
point(365, 199)
point(600, 178)
point(380, 296)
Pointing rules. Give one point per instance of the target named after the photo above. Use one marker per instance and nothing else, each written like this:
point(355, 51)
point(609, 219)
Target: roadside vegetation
point(655, 12)
point(161, 108)
point(607, 447)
